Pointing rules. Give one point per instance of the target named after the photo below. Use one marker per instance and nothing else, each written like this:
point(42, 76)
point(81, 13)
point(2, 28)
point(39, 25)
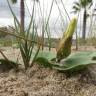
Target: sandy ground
point(38, 81)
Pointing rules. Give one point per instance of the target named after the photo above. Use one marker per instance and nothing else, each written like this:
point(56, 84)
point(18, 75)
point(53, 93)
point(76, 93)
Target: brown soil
point(39, 81)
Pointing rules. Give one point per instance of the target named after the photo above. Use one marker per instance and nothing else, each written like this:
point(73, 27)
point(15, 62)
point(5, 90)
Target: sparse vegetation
point(35, 57)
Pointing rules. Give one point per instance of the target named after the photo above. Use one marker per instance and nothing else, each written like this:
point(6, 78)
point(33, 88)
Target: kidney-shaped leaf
point(77, 61)
point(49, 55)
point(44, 58)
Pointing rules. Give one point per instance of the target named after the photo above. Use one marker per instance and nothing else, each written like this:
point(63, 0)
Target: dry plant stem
point(4, 55)
point(7, 59)
point(20, 37)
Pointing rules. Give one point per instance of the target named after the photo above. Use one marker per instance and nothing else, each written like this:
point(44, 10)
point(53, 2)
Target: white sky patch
point(45, 8)
point(6, 21)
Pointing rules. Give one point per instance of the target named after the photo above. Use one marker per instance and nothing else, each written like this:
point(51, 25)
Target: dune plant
point(29, 41)
point(30, 34)
point(30, 47)
point(73, 62)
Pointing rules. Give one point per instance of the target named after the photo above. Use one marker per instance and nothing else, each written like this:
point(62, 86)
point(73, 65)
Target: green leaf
point(77, 61)
point(45, 57)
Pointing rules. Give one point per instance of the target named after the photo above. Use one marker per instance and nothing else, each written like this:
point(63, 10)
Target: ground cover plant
point(31, 52)
point(28, 40)
point(74, 62)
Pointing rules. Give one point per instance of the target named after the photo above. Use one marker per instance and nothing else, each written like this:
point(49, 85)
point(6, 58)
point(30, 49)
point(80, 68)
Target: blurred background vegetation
point(49, 32)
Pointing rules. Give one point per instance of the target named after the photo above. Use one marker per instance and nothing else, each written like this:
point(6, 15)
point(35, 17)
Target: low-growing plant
point(26, 47)
point(30, 47)
point(73, 63)
point(28, 40)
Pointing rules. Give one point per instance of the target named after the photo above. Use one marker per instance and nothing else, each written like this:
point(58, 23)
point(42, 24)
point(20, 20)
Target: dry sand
point(39, 81)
